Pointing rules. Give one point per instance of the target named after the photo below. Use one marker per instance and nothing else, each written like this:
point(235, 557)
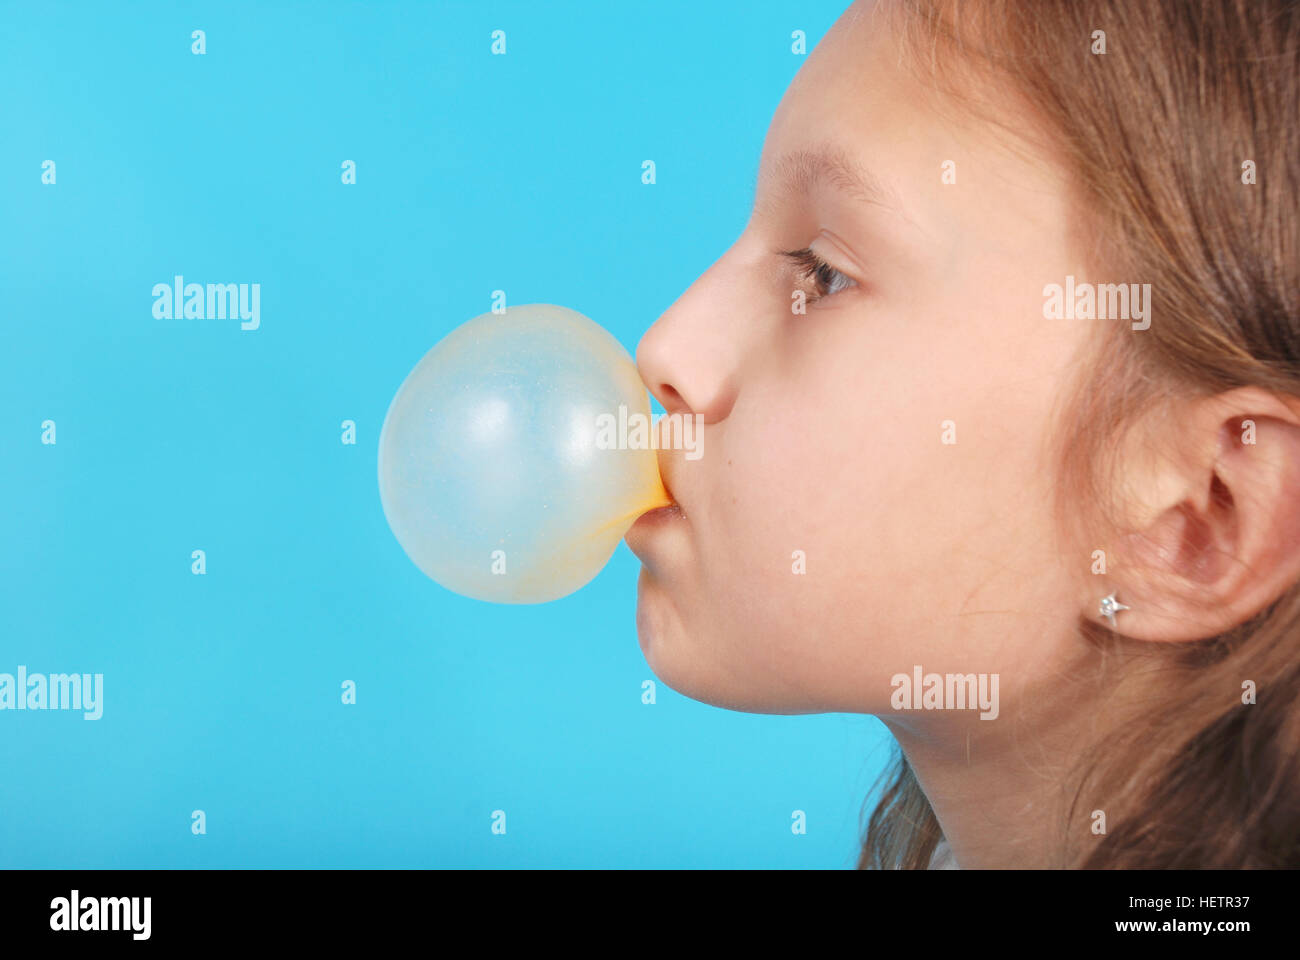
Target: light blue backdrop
point(474, 173)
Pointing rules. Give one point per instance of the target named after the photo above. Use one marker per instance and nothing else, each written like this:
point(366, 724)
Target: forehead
point(849, 108)
point(858, 98)
point(851, 76)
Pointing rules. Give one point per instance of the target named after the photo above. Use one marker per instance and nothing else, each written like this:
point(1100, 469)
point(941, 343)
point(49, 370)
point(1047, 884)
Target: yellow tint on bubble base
point(490, 444)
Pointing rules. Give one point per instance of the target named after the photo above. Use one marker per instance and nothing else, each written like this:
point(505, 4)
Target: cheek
point(835, 448)
point(838, 451)
point(806, 505)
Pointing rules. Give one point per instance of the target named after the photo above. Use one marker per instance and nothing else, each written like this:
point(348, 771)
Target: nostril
point(668, 396)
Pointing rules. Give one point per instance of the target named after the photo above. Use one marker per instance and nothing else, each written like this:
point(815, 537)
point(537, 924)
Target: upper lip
point(662, 460)
point(671, 496)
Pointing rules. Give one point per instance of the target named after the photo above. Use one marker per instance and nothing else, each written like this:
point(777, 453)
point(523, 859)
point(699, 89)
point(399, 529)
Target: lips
point(658, 515)
point(656, 518)
point(665, 463)
point(650, 537)
point(674, 507)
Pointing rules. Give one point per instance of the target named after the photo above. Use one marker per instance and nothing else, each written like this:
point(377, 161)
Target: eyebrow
point(797, 173)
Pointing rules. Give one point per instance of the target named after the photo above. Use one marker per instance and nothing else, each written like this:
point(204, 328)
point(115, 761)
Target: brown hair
point(1154, 135)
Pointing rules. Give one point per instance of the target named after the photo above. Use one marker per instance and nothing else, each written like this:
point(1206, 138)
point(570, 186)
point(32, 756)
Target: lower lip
point(658, 517)
point(649, 528)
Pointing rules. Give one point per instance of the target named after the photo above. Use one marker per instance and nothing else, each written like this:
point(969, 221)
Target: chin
point(663, 642)
point(650, 601)
point(668, 650)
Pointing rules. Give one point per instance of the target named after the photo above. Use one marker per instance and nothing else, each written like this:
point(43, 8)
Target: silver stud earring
point(1109, 607)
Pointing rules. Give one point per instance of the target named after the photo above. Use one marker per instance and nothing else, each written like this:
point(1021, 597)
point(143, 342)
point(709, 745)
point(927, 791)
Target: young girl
point(1001, 388)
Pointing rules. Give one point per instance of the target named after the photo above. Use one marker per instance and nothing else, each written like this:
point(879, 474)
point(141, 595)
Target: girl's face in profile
point(875, 491)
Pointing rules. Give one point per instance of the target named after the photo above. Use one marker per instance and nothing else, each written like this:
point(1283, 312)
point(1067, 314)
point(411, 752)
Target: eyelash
point(814, 269)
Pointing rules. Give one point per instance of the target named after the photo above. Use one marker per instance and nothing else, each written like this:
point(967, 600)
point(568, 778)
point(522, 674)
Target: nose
point(690, 357)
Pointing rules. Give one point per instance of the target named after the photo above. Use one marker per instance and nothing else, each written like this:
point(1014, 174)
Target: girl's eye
point(826, 280)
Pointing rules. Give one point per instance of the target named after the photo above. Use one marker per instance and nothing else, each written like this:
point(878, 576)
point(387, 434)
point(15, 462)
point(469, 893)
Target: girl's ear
point(1214, 536)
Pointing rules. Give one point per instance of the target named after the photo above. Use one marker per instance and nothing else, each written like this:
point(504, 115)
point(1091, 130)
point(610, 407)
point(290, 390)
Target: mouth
point(672, 508)
point(658, 517)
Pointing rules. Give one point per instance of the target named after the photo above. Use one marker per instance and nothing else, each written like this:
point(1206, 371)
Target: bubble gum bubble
point(493, 473)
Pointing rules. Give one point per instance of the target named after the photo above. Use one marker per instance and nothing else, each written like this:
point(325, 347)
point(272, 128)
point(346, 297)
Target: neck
point(1000, 789)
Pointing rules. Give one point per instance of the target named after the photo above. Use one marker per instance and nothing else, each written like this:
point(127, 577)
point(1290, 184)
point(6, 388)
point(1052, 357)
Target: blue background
point(474, 173)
